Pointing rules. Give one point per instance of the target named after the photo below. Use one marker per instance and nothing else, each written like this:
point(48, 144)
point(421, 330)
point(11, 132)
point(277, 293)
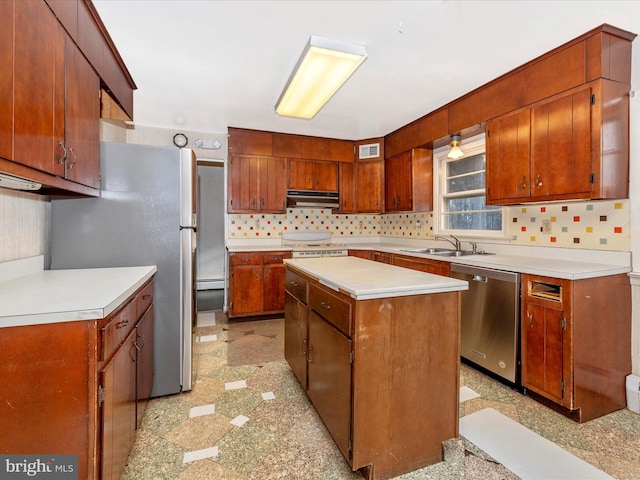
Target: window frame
point(473, 146)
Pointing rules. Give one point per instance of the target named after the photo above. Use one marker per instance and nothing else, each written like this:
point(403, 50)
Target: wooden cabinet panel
point(341, 150)
point(67, 13)
point(256, 283)
point(436, 267)
point(245, 283)
point(256, 184)
point(542, 340)
point(508, 158)
point(144, 362)
point(313, 175)
point(331, 307)
point(315, 148)
point(366, 254)
point(295, 336)
point(6, 79)
point(561, 146)
point(285, 145)
point(398, 183)
point(38, 95)
point(329, 379)
point(556, 73)
point(369, 186)
point(82, 113)
point(422, 132)
point(347, 187)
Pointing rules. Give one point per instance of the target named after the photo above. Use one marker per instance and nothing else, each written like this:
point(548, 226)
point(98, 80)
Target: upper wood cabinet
point(408, 179)
point(256, 184)
point(347, 187)
point(571, 146)
point(313, 175)
point(370, 186)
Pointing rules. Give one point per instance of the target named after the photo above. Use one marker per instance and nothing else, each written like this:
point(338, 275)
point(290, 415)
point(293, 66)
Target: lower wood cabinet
point(383, 374)
point(437, 267)
point(256, 283)
point(576, 350)
point(78, 387)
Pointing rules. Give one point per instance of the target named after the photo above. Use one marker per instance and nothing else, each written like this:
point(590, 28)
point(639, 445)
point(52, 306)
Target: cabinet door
point(144, 362)
point(6, 79)
point(561, 147)
point(82, 114)
point(272, 185)
point(329, 379)
point(273, 288)
point(325, 176)
point(398, 183)
point(369, 186)
point(243, 183)
point(118, 409)
point(38, 95)
point(300, 174)
point(347, 188)
point(542, 351)
point(295, 337)
point(245, 290)
point(508, 158)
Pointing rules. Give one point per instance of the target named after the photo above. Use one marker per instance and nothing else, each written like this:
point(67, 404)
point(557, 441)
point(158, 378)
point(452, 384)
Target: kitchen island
point(377, 349)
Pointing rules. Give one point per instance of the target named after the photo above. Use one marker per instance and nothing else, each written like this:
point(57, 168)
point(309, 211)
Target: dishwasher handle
point(480, 278)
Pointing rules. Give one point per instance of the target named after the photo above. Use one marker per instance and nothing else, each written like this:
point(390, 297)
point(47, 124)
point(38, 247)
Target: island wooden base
point(383, 374)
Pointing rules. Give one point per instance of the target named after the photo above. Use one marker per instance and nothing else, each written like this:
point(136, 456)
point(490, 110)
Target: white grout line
point(202, 410)
point(200, 454)
point(239, 421)
point(268, 396)
point(235, 385)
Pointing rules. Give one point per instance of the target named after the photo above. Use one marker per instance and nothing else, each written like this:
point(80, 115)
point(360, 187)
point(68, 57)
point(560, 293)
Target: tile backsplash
point(602, 225)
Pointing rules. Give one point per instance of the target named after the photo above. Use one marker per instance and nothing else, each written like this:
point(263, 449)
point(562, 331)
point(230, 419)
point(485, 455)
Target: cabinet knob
point(122, 324)
point(325, 305)
point(538, 181)
point(523, 185)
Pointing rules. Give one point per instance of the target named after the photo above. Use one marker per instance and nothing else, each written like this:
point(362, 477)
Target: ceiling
point(208, 64)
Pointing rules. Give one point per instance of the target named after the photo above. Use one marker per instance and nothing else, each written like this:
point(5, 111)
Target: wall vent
point(371, 150)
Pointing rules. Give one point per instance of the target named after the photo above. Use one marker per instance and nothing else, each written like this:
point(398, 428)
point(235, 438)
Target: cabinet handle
point(262, 201)
point(63, 157)
point(538, 181)
point(122, 324)
point(523, 185)
point(530, 317)
point(257, 276)
point(135, 344)
point(325, 305)
point(146, 297)
point(304, 347)
point(310, 354)
point(293, 284)
point(72, 163)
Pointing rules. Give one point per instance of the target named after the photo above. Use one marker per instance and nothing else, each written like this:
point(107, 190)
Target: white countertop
point(365, 279)
point(50, 296)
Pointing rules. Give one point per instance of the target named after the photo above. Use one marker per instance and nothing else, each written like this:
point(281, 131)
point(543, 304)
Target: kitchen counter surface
point(50, 296)
point(365, 279)
point(536, 265)
point(574, 268)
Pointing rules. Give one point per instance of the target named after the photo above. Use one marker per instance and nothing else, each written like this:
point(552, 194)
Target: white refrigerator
point(145, 215)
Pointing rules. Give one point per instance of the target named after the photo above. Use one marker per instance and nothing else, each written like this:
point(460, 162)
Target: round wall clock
point(180, 140)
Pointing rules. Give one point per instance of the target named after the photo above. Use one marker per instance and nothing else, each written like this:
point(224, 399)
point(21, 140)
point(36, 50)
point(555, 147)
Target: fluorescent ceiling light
point(323, 67)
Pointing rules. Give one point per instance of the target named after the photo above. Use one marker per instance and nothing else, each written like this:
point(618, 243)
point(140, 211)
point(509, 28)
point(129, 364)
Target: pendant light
point(456, 151)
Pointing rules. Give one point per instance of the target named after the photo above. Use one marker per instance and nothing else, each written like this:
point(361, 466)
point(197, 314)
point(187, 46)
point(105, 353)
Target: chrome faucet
point(455, 242)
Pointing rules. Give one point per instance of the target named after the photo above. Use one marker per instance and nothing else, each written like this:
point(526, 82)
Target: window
point(461, 207)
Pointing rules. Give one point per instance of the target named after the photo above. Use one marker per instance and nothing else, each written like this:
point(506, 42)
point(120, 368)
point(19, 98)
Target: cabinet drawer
point(274, 257)
point(144, 298)
point(245, 258)
point(116, 331)
point(331, 307)
point(296, 285)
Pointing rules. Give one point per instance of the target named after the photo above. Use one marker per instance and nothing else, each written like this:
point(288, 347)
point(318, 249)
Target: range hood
point(17, 183)
point(312, 199)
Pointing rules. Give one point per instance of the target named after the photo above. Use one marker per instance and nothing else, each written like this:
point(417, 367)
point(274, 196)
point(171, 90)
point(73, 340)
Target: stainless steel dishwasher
point(490, 319)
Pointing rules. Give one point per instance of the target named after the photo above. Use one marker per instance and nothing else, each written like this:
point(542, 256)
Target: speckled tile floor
point(284, 438)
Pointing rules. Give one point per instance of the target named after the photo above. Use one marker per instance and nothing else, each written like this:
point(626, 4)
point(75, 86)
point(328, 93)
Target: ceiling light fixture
point(456, 151)
point(323, 67)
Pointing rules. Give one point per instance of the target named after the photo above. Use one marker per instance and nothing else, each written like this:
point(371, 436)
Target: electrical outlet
point(546, 226)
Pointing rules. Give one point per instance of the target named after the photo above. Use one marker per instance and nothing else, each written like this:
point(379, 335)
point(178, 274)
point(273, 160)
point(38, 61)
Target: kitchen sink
point(444, 252)
point(433, 251)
